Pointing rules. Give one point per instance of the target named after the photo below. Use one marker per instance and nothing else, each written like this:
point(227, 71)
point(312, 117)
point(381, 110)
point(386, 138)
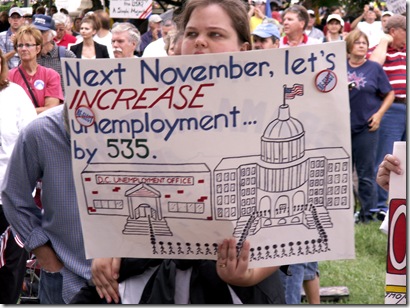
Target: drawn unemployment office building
point(286, 184)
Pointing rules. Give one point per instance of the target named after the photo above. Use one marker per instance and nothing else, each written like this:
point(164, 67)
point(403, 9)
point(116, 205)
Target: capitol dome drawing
point(284, 138)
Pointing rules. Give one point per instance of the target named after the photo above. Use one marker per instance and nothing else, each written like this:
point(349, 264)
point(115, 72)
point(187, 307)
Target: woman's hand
point(233, 268)
point(389, 163)
point(105, 272)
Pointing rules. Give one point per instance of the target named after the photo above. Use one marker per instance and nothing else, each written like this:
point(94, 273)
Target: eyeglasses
point(19, 46)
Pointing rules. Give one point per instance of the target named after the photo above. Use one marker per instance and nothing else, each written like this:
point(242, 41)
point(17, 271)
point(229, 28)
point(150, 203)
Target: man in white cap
point(311, 30)
point(266, 36)
point(153, 33)
point(16, 20)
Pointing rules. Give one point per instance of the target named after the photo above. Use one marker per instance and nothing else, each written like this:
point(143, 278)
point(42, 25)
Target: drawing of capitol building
point(286, 184)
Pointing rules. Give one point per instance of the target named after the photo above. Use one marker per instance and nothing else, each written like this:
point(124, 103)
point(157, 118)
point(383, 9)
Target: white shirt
point(155, 49)
point(16, 111)
point(374, 31)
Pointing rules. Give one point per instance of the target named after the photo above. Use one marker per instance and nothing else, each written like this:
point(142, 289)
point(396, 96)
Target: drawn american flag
point(296, 90)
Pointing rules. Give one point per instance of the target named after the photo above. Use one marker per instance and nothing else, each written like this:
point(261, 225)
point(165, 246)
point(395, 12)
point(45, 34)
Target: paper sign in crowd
point(171, 155)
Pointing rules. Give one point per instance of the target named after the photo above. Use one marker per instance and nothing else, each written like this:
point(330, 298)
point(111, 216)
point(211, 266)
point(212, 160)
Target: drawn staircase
point(141, 226)
point(323, 217)
point(241, 228)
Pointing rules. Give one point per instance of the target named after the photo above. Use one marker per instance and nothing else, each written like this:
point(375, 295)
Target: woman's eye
point(191, 34)
point(215, 34)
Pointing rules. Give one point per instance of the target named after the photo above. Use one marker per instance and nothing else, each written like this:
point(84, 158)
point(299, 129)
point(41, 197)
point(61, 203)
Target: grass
point(364, 276)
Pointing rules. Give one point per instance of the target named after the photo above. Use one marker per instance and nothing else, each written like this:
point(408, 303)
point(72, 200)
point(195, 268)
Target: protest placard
point(171, 155)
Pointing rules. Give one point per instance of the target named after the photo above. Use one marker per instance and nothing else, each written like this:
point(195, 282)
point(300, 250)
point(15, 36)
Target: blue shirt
point(371, 85)
point(42, 151)
point(6, 45)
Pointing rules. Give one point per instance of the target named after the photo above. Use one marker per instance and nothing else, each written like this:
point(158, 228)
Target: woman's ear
point(245, 46)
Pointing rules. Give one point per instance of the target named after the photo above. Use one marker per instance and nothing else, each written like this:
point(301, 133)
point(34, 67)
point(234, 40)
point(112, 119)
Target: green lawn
point(365, 275)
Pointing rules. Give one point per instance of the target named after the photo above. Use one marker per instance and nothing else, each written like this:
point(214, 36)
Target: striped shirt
point(43, 151)
point(395, 68)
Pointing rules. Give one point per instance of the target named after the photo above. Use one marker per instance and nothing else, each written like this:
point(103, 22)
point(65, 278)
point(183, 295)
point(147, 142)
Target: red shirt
point(67, 39)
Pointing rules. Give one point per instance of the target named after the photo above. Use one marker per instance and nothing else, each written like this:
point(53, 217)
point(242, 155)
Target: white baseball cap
point(337, 17)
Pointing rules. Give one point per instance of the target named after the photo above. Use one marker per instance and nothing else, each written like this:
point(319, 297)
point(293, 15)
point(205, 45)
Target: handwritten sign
point(130, 9)
point(396, 275)
point(186, 151)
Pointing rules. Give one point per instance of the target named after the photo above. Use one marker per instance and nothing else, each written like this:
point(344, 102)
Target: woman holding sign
point(211, 26)
point(370, 97)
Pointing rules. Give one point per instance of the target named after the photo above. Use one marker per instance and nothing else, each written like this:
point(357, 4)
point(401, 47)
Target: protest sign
point(171, 155)
point(130, 9)
point(396, 275)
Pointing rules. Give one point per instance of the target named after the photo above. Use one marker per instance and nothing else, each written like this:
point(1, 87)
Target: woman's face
point(27, 48)
point(87, 30)
point(360, 47)
point(334, 26)
point(210, 30)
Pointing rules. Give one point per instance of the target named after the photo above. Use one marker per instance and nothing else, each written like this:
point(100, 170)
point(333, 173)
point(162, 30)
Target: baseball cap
point(337, 17)
point(155, 18)
point(16, 10)
point(259, 1)
point(43, 22)
point(387, 13)
point(266, 30)
point(311, 12)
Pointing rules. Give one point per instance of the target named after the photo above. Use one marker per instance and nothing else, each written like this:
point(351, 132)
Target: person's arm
point(375, 119)
point(379, 53)
point(234, 269)
point(105, 272)
point(389, 164)
point(4, 71)
point(355, 22)
point(47, 258)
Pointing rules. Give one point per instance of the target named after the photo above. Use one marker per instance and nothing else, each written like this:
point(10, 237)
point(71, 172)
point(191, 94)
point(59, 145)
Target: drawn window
point(320, 191)
point(232, 176)
point(330, 167)
point(219, 188)
point(233, 212)
point(243, 182)
point(317, 173)
point(173, 207)
point(191, 207)
point(232, 187)
point(233, 199)
point(337, 190)
point(248, 171)
point(248, 181)
point(344, 178)
point(182, 207)
point(337, 199)
point(312, 173)
point(321, 182)
point(219, 213)
point(253, 170)
point(330, 190)
point(219, 177)
point(344, 189)
point(226, 176)
point(243, 211)
point(322, 163)
point(248, 191)
point(253, 181)
point(226, 187)
point(253, 191)
point(248, 201)
point(200, 208)
point(330, 179)
point(344, 167)
point(329, 201)
point(226, 199)
point(109, 204)
point(337, 178)
point(243, 192)
point(243, 172)
point(344, 201)
point(317, 163)
point(219, 201)
point(322, 172)
point(312, 183)
point(243, 202)
point(226, 212)
point(253, 200)
point(317, 182)
point(337, 167)
point(312, 164)
point(320, 200)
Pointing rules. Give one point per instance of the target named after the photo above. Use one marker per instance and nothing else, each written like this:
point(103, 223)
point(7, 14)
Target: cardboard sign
point(171, 155)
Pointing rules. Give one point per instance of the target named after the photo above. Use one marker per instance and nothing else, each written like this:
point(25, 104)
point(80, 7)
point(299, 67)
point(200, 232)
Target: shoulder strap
point(29, 88)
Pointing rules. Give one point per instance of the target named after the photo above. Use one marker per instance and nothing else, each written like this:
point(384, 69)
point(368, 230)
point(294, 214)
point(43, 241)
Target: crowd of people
point(35, 150)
